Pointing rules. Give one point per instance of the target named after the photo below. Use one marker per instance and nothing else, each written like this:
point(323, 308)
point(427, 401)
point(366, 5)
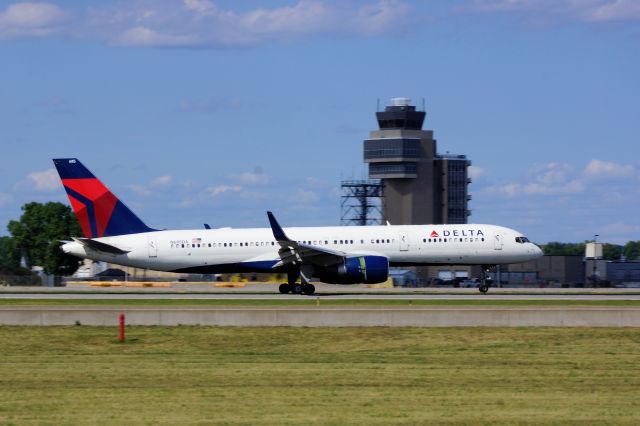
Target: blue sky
point(215, 111)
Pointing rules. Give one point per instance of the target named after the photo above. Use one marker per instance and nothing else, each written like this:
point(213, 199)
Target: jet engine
point(356, 270)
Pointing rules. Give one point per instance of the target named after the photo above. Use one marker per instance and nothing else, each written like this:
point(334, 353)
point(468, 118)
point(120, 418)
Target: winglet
point(278, 232)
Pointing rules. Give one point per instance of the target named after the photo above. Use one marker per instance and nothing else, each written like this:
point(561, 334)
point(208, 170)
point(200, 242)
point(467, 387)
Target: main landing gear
point(297, 288)
point(485, 283)
point(304, 287)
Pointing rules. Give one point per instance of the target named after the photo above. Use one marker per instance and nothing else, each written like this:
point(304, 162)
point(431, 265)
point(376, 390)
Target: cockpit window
point(522, 240)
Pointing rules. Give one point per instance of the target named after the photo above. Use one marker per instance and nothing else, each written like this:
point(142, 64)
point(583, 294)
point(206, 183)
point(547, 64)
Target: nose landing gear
point(486, 281)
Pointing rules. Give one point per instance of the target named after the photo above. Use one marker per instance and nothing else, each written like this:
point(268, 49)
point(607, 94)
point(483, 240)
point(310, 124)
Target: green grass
point(314, 301)
point(275, 376)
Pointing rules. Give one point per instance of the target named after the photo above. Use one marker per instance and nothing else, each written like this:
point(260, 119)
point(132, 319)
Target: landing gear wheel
point(296, 289)
point(309, 289)
point(483, 288)
point(284, 288)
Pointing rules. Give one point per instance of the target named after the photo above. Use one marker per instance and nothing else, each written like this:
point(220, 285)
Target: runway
point(324, 292)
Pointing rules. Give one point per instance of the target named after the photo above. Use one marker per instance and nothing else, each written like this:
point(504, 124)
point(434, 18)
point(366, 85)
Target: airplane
point(335, 254)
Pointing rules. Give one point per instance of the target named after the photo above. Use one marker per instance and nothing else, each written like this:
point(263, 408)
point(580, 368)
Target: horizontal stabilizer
point(99, 246)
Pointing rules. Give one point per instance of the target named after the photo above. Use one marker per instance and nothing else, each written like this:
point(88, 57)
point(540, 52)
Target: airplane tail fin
point(100, 213)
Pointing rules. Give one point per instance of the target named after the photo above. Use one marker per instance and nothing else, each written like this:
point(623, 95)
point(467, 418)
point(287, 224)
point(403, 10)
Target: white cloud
point(257, 177)
point(204, 7)
point(475, 172)
point(509, 189)
point(576, 10)
point(157, 183)
point(544, 179)
point(380, 17)
point(27, 19)
point(551, 173)
point(305, 17)
point(617, 10)
point(608, 182)
point(222, 189)
point(162, 181)
point(141, 190)
point(199, 23)
point(141, 36)
point(304, 196)
point(606, 170)
point(570, 187)
point(45, 181)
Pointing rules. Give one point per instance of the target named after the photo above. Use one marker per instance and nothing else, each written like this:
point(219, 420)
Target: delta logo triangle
point(434, 234)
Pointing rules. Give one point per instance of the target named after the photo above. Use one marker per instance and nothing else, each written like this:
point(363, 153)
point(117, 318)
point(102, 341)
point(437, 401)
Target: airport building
point(420, 186)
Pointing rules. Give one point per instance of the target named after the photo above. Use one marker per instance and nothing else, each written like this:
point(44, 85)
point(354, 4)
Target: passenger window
point(183, 246)
point(351, 241)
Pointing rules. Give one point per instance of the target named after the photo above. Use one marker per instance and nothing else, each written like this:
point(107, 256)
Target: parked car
point(470, 283)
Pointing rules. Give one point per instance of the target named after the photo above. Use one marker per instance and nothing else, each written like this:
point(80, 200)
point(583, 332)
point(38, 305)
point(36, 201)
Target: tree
point(37, 236)
point(563, 249)
point(631, 250)
point(9, 256)
point(611, 251)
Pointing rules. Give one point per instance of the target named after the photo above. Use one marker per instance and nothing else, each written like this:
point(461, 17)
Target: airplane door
point(152, 245)
point(497, 241)
point(404, 241)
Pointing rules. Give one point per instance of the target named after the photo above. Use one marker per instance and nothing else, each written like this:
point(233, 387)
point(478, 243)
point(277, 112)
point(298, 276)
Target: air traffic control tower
point(419, 186)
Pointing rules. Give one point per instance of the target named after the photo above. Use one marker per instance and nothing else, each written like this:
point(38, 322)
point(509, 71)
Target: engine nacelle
point(356, 270)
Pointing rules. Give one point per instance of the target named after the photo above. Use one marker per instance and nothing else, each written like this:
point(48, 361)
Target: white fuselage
point(256, 250)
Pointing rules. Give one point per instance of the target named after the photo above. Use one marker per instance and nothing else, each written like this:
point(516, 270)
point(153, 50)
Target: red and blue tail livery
point(100, 213)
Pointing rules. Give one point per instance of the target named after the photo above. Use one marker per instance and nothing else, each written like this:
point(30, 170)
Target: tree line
point(631, 250)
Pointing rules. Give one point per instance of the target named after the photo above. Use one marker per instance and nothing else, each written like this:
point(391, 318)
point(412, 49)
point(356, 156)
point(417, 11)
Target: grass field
point(251, 376)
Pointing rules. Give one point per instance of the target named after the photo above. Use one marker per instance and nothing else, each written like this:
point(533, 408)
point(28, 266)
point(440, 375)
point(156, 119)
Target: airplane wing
point(293, 252)
point(99, 246)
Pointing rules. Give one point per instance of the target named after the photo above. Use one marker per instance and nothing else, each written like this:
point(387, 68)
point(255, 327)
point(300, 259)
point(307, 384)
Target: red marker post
point(122, 327)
